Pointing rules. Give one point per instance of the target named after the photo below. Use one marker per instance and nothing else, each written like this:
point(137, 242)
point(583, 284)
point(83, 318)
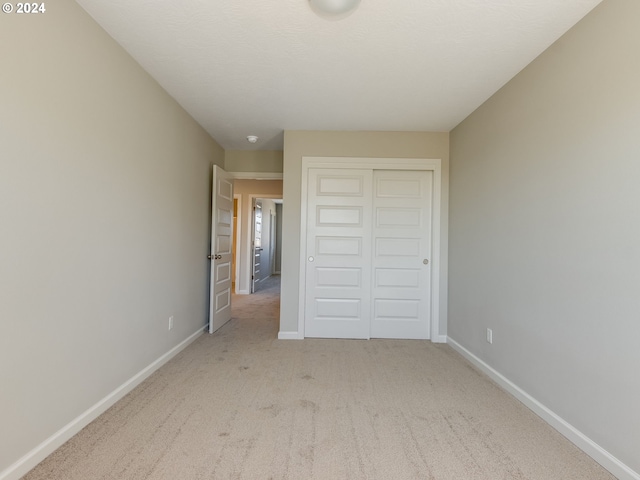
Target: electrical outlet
point(170, 322)
point(489, 335)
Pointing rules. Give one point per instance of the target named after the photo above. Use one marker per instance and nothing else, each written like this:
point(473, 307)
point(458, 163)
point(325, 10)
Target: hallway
point(263, 304)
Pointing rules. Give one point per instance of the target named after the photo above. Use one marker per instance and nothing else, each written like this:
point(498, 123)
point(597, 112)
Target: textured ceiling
point(260, 67)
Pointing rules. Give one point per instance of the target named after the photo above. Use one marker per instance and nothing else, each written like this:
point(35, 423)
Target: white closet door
point(402, 207)
point(338, 273)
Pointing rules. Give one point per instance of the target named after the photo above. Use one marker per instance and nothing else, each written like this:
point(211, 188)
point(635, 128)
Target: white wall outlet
point(489, 335)
point(170, 322)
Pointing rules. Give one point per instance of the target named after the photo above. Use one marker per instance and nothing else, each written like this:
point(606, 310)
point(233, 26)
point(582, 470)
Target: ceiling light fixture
point(333, 9)
point(252, 139)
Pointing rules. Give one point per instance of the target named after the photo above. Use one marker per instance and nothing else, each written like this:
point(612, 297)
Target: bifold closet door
point(401, 285)
point(338, 253)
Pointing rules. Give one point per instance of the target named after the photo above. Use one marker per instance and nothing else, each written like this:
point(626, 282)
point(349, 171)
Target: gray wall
point(104, 212)
point(261, 161)
point(545, 229)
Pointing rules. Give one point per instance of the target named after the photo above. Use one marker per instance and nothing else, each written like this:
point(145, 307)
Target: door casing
point(237, 231)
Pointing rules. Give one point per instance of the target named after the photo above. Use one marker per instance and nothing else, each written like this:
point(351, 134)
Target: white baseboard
point(243, 292)
point(296, 336)
point(46, 448)
point(591, 448)
point(285, 336)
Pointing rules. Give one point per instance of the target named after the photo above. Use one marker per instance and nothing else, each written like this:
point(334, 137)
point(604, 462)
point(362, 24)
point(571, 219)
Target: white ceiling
point(260, 67)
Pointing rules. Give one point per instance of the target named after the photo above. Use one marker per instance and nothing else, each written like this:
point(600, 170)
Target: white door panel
point(398, 217)
point(221, 249)
point(338, 273)
point(397, 278)
point(397, 247)
point(395, 309)
point(330, 216)
point(338, 277)
point(402, 242)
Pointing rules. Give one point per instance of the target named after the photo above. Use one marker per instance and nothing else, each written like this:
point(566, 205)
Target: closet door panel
point(338, 251)
point(402, 209)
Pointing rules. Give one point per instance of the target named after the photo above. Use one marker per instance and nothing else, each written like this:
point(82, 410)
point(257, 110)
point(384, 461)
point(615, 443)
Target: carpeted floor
point(241, 404)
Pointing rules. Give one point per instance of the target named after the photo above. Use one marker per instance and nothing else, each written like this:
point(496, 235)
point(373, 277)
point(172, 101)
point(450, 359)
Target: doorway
point(265, 243)
point(268, 193)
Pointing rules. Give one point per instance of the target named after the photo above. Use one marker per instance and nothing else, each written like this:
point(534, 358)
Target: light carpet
point(241, 404)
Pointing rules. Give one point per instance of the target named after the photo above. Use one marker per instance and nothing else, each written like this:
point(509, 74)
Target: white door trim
point(238, 198)
point(433, 164)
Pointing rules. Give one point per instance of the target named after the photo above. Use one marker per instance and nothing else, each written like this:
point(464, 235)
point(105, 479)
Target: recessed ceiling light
point(252, 139)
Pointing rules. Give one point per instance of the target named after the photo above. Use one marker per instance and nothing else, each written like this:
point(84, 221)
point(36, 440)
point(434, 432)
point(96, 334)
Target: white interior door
point(338, 273)
point(221, 249)
point(402, 206)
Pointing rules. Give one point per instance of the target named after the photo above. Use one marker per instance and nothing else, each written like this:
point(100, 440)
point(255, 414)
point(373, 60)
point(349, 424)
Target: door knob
point(210, 257)
point(425, 261)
